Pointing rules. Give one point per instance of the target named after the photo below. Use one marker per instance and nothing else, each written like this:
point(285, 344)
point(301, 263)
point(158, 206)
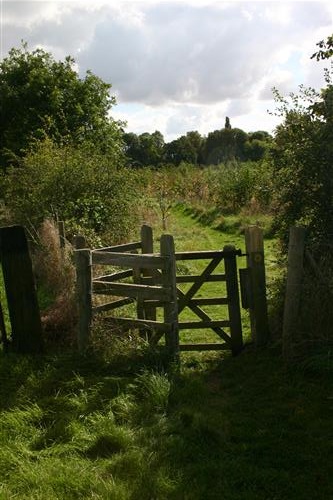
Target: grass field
point(128, 427)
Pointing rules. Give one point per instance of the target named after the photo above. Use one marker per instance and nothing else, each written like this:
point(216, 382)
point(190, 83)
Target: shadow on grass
point(233, 428)
point(252, 428)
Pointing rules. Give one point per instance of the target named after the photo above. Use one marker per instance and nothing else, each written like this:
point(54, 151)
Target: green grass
point(124, 425)
point(235, 428)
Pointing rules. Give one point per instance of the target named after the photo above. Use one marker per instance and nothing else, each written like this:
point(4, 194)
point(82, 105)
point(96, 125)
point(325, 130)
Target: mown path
point(189, 235)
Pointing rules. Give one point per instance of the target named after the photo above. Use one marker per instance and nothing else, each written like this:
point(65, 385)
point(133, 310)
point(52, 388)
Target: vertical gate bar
point(230, 265)
point(256, 262)
point(147, 312)
point(171, 307)
point(84, 295)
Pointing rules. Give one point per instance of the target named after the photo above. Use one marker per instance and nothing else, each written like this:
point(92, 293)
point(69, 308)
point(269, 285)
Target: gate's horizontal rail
point(204, 347)
point(129, 260)
point(131, 290)
point(184, 325)
point(185, 278)
point(112, 305)
point(198, 278)
point(205, 254)
point(210, 301)
point(126, 247)
point(139, 323)
point(115, 276)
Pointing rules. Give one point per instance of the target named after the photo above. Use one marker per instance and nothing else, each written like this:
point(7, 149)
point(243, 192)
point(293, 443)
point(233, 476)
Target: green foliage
point(225, 145)
point(302, 163)
point(145, 149)
point(240, 185)
point(41, 97)
point(80, 187)
point(186, 148)
point(225, 187)
point(229, 145)
point(326, 49)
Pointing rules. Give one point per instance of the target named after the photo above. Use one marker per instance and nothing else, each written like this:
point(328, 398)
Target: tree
point(326, 49)
point(186, 148)
point(41, 97)
point(302, 159)
point(257, 145)
point(227, 122)
point(145, 149)
point(132, 149)
point(224, 145)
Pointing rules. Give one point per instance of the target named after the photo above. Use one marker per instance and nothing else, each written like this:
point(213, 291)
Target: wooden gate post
point(171, 307)
point(293, 288)
point(20, 290)
point(84, 295)
point(80, 242)
point(230, 266)
point(256, 263)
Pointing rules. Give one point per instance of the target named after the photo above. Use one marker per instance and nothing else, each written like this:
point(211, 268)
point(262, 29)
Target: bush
point(86, 190)
point(225, 188)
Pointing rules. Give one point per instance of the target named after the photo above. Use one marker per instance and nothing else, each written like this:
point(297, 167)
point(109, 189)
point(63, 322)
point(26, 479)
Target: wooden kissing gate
point(151, 281)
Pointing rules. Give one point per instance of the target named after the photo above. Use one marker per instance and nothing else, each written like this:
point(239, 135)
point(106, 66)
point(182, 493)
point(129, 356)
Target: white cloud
point(182, 64)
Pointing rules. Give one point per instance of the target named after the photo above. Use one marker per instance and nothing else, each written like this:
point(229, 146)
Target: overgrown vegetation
point(87, 190)
point(303, 172)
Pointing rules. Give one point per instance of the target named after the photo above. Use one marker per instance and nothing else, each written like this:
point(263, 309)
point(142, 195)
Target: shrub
point(86, 190)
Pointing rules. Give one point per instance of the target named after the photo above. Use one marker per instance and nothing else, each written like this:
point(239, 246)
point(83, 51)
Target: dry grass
point(55, 273)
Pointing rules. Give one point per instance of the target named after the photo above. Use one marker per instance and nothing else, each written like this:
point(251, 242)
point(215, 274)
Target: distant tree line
point(220, 146)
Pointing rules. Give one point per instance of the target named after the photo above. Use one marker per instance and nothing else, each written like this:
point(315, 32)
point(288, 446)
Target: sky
point(181, 65)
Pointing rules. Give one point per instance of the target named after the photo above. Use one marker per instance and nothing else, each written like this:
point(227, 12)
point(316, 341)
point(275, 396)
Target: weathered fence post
point(230, 266)
point(171, 307)
point(84, 295)
point(79, 242)
point(256, 263)
point(20, 290)
point(293, 288)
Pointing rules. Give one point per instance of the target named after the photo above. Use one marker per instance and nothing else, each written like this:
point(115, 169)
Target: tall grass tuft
point(55, 273)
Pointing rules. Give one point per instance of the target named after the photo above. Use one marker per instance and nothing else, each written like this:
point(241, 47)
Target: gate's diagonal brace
point(185, 301)
point(204, 316)
point(196, 286)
